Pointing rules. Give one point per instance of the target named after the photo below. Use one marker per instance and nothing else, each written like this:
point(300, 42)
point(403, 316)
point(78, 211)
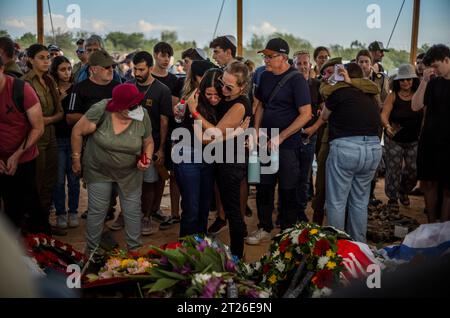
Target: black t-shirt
point(157, 101)
point(436, 128)
point(316, 100)
point(87, 93)
point(174, 83)
point(223, 108)
point(283, 110)
point(62, 128)
point(353, 114)
point(410, 121)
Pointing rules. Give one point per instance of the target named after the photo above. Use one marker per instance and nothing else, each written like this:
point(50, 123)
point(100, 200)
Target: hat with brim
point(101, 58)
point(124, 96)
point(405, 71)
point(331, 62)
point(377, 46)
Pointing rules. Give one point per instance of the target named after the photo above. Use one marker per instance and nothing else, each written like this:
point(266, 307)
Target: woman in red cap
point(120, 131)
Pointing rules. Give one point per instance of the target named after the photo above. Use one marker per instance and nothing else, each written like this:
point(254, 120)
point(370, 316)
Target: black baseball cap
point(277, 45)
point(377, 46)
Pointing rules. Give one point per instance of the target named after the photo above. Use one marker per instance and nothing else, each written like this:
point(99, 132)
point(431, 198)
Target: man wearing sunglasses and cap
point(283, 102)
point(377, 50)
point(82, 56)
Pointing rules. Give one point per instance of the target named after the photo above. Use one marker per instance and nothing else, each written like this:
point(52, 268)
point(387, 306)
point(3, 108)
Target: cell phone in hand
point(337, 76)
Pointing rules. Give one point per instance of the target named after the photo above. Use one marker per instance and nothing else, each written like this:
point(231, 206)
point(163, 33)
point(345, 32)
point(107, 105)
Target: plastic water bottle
point(181, 107)
point(254, 168)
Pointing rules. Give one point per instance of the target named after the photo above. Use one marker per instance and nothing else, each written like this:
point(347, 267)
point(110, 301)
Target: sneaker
point(257, 237)
point(61, 221)
point(160, 217)
point(73, 220)
point(118, 224)
point(147, 228)
point(171, 221)
point(218, 226)
point(375, 202)
point(403, 198)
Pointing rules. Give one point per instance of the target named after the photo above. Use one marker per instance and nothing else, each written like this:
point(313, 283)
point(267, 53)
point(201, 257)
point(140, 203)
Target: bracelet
point(195, 114)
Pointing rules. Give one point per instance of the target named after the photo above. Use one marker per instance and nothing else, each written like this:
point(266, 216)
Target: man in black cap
point(377, 50)
point(54, 51)
point(283, 102)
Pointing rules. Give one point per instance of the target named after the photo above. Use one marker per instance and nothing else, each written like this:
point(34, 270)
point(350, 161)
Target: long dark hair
point(33, 50)
point(57, 61)
point(210, 79)
point(414, 87)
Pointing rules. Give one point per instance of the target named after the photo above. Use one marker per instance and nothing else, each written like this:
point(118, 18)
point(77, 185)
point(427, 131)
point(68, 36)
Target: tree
point(27, 39)
point(357, 45)
point(169, 36)
point(4, 33)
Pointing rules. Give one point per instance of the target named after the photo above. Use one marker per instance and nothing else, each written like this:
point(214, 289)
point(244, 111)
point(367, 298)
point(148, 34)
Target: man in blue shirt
point(286, 108)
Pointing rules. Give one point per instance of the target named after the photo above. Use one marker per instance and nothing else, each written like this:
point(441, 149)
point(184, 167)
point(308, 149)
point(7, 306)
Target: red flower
point(322, 246)
point(323, 278)
point(303, 237)
point(266, 268)
point(284, 245)
point(172, 246)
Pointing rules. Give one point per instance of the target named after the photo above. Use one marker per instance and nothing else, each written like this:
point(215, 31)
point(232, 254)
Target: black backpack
point(18, 94)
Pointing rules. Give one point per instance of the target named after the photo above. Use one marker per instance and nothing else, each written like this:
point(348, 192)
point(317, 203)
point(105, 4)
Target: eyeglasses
point(227, 87)
point(269, 57)
point(80, 51)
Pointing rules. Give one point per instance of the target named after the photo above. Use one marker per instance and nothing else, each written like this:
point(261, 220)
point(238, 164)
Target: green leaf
point(163, 284)
point(160, 273)
point(92, 277)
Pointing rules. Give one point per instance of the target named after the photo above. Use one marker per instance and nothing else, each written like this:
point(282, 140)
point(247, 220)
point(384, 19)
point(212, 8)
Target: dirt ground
point(76, 237)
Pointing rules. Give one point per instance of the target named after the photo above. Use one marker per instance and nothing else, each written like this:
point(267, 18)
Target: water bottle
point(181, 107)
point(305, 137)
point(254, 168)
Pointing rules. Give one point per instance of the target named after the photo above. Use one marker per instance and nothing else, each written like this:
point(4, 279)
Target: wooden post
point(40, 21)
point(415, 32)
point(239, 28)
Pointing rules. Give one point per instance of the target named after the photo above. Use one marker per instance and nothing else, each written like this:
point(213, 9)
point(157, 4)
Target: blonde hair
point(242, 74)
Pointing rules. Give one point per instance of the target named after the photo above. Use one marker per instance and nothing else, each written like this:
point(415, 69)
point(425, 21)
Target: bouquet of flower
point(303, 260)
point(50, 253)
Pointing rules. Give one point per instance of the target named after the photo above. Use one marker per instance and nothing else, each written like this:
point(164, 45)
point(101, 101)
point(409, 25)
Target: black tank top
point(409, 120)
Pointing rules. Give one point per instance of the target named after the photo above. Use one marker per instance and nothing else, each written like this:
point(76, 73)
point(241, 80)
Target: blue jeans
point(196, 183)
point(73, 182)
point(306, 159)
point(351, 166)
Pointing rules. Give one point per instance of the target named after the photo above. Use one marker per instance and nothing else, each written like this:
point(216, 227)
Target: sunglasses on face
point(227, 87)
point(269, 57)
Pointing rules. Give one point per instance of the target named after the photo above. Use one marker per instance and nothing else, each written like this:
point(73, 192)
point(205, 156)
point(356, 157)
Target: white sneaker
point(73, 220)
point(147, 228)
point(257, 237)
point(61, 221)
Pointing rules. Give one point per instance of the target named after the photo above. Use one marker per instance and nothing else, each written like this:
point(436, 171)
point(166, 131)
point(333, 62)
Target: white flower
point(248, 269)
point(322, 235)
point(276, 253)
point(201, 278)
point(323, 260)
point(264, 294)
point(257, 265)
point(324, 292)
point(294, 236)
point(280, 266)
point(264, 279)
point(298, 250)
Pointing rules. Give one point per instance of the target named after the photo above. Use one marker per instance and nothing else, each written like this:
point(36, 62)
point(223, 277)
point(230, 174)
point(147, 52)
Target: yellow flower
point(331, 265)
point(141, 259)
point(288, 255)
point(273, 279)
point(330, 254)
point(313, 231)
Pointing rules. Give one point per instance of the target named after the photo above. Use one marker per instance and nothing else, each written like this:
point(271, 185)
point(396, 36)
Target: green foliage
point(4, 33)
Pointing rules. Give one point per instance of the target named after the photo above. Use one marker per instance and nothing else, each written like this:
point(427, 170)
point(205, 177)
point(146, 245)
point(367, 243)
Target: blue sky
point(321, 22)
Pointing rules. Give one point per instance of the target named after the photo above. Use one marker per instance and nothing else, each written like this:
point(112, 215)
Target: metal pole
point(415, 32)
point(239, 28)
point(40, 21)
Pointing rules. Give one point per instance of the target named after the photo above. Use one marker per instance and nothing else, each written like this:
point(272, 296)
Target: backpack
point(18, 94)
